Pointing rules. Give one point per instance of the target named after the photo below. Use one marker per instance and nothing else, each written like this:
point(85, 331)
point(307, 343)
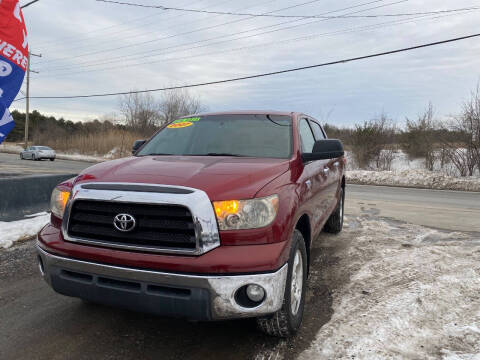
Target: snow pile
point(113, 154)
point(10, 148)
point(21, 229)
point(413, 178)
point(79, 157)
point(401, 291)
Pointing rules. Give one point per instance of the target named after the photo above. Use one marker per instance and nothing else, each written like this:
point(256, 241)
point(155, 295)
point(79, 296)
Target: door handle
point(326, 170)
point(336, 164)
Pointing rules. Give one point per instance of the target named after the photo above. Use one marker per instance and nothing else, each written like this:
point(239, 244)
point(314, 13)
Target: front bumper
point(46, 156)
point(197, 297)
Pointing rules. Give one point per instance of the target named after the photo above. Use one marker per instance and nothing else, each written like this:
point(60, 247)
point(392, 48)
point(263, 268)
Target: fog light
point(255, 292)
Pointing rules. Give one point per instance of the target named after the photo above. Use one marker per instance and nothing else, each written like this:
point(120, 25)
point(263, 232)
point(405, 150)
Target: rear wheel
point(52, 159)
point(286, 321)
point(34, 158)
point(335, 222)
point(21, 157)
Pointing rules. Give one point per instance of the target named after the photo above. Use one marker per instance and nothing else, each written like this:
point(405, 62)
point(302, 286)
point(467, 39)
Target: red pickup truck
point(212, 218)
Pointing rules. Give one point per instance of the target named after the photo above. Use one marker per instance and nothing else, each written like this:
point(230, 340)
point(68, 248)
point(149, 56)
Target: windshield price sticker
point(183, 123)
point(180, 125)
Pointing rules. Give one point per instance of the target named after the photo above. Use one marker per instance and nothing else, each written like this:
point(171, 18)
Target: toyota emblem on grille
point(124, 222)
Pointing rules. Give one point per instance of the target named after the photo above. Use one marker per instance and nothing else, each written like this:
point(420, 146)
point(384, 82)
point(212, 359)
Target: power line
point(305, 37)
point(149, 52)
point(263, 74)
point(126, 30)
point(165, 8)
point(154, 61)
point(28, 4)
point(262, 45)
point(210, 27)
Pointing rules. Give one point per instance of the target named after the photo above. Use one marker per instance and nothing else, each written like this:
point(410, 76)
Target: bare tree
point(140, 111)
point(465, 153)
point(419, 139)
point(373, 141)
point(178, 103)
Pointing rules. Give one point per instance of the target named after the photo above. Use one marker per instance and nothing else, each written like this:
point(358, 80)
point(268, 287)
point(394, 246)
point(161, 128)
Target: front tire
point(286, 321)
point(52, 159)
point(34, 158)
point(335, 222)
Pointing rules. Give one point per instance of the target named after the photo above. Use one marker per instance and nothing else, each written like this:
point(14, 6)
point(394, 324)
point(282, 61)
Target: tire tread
point(278, 324)
point(334, 223)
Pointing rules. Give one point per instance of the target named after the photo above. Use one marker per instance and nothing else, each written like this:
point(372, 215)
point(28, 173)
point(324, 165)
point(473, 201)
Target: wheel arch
point(304, 226)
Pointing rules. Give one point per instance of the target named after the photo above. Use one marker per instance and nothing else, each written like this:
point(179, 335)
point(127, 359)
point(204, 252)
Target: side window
point(317, 130)
point(306, 136)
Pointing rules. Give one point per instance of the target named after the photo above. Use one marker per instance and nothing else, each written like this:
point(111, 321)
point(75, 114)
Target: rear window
point(43, 148)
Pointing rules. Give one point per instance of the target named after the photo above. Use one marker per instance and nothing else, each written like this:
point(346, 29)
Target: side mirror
point(137, 145)
point(324, 150)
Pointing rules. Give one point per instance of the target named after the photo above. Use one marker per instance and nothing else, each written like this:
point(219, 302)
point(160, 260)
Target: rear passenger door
point(331, 168)
point(315, 179)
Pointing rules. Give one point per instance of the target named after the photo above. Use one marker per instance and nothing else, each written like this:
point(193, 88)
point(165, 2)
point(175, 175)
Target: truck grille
point(157, 226)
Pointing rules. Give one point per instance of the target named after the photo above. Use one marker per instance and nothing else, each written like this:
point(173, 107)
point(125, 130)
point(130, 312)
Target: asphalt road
point(448, 210)
point(36, 323)
point(12, 165)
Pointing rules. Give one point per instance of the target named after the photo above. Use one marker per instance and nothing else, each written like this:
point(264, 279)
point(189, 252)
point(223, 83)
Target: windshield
point(266, 136)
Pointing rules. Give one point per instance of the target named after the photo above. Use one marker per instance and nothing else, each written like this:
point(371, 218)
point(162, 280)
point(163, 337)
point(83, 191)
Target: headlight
point(246, 214)
point(58, 202)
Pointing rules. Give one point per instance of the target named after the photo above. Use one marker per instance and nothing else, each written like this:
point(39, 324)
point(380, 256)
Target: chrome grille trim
point(197, 201)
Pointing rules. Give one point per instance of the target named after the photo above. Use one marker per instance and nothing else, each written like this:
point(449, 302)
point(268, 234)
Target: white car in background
point(38, 153)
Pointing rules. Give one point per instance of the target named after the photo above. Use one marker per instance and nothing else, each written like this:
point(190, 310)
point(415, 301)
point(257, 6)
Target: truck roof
point(249, 112)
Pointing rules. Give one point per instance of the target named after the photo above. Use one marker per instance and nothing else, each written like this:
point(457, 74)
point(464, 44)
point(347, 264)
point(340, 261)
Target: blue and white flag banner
point(13, 59)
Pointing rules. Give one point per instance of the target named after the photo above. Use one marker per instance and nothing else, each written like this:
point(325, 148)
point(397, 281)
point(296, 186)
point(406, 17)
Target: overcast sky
point(94, 47)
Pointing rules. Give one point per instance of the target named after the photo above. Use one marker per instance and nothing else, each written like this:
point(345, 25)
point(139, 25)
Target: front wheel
point(52, 159)
point(286, 321)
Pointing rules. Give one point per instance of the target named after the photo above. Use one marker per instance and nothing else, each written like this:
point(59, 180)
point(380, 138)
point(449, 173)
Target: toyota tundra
point(212, 218)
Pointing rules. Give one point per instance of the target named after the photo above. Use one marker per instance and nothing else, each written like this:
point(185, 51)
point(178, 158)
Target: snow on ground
point(10, 148)
point(411, 173)
point(401, 291)
point(21, 229)
point(413, 178)
point(79, 157)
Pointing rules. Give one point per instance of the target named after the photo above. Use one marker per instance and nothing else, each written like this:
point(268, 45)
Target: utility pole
point(27, 113)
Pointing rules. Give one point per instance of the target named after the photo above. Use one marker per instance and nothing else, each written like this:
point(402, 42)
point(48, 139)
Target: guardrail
point(26, 195)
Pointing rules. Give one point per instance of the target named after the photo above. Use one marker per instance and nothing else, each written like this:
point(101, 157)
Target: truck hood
point(222, 178)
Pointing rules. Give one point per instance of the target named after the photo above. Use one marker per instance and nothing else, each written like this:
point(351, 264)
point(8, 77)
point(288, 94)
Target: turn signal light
point(226, 207)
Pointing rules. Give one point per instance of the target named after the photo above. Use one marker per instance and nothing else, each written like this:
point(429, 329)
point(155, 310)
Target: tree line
point(373, 143)
point(454, 141)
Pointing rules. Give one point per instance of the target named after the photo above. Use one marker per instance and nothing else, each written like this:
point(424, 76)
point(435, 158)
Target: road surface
point(12, 165)
point(36, 323)
point(448, 210)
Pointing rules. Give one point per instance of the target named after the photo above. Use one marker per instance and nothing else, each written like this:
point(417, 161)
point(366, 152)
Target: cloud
point(66, 32)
